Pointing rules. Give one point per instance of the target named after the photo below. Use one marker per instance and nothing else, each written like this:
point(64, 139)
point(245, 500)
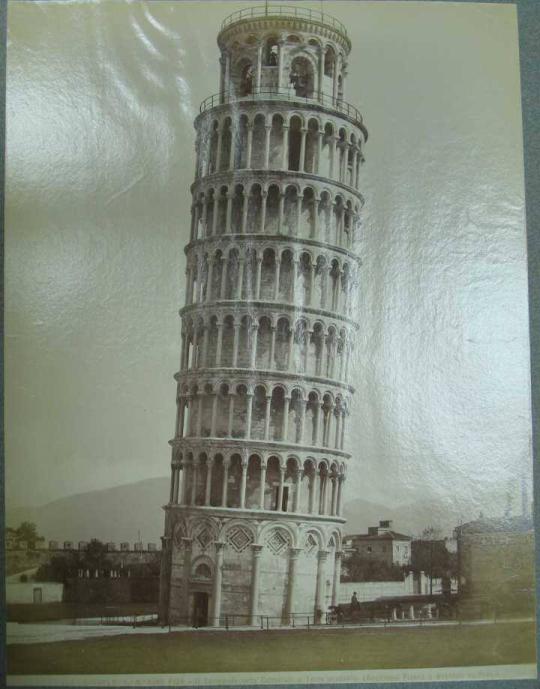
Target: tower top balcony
point(272, 14)
point(282, 49)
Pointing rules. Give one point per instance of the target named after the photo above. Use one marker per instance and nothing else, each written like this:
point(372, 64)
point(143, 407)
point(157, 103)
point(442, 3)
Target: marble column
point(228, 219)
point(187, 544)
point(301, 164)
point(268, 129)
point(243, 482)
point(236, 342)
point(249, 145)
point(225, 483)
point(320, 70)
point(253, 351)
point(285, 158)
point(286, 409)
point(320, 585)
point(281, 212)
point(208, 489)
point(333, 496)
point(337, 577)
point(263, 485)
point(223, 282)
point(267, 417)
point(180, 483)
point(173, 480)
point(233, 146)
point(291, 584)
point(245, 208)
point(214, 415)
point(194, 480)
point(259, 68)
point(219, 345)
point(176, 487)
point(217, 583)
point(272, 347)
point(341, 480)
point(277, 278)
point(290, 357)
point(255, 583)
point(204, 356)
point(298, 488)
point(264, 197)
point(231, 414)
point(258, 278)
point(281, 487)
point(249, 413)
point(302, 421)
point(180, 417)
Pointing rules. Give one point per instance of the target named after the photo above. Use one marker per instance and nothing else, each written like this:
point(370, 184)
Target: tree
point(93, 558)
point(430, 555)
point(59, 568)
point(27, 532)
point(357, 568)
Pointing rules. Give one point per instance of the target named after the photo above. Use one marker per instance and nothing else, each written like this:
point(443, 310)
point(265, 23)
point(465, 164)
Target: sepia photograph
point(267, 358)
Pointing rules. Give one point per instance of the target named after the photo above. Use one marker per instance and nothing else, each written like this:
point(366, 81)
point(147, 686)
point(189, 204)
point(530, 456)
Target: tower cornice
point(257, 238)
point(259, 515)
point(256, 376)
point(271, 305)
point(270, 176)
point(243, 445)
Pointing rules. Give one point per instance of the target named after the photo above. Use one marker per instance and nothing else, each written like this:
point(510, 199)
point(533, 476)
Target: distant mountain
point(113, 514)
point(121, 513)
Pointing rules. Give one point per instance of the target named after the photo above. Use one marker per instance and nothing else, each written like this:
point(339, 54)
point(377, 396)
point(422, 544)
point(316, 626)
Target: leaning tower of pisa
point(253, 524)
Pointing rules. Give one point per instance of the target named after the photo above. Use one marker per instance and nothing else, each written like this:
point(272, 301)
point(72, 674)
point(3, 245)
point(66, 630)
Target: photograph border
point(528, 12)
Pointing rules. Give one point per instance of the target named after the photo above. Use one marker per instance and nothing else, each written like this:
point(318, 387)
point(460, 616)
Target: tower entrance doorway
point(200, 609)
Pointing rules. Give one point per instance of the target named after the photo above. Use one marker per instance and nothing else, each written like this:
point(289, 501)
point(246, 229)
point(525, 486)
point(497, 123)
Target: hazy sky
point(101, 100)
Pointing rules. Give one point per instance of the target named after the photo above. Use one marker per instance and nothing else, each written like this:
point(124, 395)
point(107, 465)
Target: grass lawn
point(322, 649)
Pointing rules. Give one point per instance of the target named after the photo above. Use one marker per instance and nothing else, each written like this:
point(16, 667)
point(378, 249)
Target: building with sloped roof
point(381, 544)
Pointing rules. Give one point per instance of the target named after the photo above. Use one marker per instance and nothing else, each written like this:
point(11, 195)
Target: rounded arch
point(278, 537)
point(317, 535)
point(202, 568)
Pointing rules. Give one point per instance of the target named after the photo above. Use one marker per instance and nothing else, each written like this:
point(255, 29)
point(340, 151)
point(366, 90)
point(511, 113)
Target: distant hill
point(120, 513)
point(113, 514)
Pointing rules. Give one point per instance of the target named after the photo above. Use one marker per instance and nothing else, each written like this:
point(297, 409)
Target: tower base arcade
point(248, 568)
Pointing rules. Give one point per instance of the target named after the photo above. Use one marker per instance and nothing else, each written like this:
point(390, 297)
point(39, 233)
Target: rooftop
point(386, 535)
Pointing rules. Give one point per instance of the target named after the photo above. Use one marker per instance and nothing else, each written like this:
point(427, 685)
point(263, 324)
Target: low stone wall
point(412, 585)
point(371, 590)
point(17, 593)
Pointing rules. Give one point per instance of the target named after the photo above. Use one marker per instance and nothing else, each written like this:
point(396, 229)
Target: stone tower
point(254, 518)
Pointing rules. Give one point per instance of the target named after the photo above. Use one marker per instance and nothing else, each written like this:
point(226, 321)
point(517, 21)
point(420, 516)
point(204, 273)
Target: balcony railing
point(323, 99)
point(271, 10)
